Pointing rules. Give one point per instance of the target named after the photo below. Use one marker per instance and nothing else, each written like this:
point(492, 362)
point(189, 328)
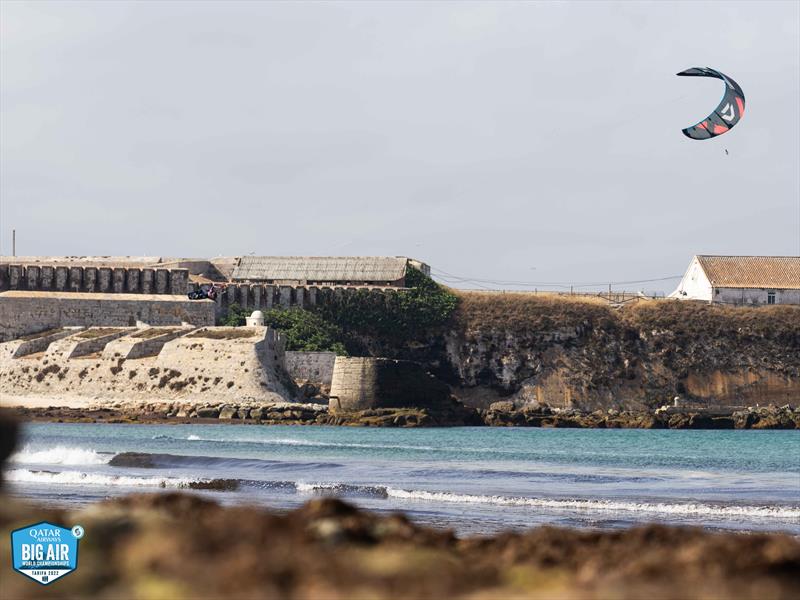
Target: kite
point(726, 115)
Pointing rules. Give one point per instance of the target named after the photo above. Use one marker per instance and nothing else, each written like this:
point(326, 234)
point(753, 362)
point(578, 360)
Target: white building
point(747, 280)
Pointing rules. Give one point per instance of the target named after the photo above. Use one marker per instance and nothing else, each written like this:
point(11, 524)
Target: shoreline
point(783, 418)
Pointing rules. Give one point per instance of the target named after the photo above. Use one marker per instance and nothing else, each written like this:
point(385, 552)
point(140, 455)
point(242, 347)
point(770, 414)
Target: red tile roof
point(780, 272)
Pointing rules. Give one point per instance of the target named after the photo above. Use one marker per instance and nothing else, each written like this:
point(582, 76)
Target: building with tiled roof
point(326, 270)
point(748, 280)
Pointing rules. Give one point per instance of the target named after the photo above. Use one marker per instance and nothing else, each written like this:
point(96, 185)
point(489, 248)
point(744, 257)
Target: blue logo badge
point(44, 551)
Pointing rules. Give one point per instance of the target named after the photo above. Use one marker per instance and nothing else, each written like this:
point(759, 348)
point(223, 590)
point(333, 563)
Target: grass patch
point(39, 334)
point(91, 334)
point(151, 332)
point(223, 333)
point(519, 311)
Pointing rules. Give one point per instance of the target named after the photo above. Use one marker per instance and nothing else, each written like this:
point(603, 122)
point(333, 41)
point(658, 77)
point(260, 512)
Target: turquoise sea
point(475, 480)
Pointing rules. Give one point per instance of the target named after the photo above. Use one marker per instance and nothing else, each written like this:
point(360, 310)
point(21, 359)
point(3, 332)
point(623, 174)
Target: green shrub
point(306, 331)
point(339, 324)
point(235, 317)
point(394, 316)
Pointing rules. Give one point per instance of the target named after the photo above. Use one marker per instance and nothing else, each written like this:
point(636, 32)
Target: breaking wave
point(60, 455)
point(342, 489)
point(100, 479)
point(82, 478)
point(678, 509)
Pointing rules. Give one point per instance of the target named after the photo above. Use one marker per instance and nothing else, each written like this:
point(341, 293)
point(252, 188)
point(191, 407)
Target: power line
point(453, 278)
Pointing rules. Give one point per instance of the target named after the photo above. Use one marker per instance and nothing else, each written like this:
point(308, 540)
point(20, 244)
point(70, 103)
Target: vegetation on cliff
point(395, 317)
point(347, 324)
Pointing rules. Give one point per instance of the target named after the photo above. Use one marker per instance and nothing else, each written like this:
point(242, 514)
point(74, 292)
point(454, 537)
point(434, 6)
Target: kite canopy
point(726, 115)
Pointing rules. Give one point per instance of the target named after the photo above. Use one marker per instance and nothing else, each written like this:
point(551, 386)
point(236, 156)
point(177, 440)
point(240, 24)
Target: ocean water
point(474, 480)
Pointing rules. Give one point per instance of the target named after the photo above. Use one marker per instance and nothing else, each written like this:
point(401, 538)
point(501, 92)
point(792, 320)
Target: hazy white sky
point(534, 142)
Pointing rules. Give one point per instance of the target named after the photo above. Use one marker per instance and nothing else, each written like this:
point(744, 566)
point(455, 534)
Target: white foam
point(678, 509)
point(81, 478)
point(195, 438)
point(59, 455)
point(306, 488)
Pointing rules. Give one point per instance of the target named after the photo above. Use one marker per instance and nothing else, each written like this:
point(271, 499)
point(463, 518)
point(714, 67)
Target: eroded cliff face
point(583, 354)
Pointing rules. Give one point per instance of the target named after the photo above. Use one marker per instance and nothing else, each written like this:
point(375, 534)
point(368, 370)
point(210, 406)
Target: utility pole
point(13, 242)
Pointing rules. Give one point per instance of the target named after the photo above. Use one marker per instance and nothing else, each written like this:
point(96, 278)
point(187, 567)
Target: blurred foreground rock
point(180, 546)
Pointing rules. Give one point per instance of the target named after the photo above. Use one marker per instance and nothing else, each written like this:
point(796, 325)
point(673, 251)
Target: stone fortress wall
point(313, 367)
point(99, 279)
point(25, 312)
point(102, 328)
point(98, 365)
point(164, 281)
point(252, 296)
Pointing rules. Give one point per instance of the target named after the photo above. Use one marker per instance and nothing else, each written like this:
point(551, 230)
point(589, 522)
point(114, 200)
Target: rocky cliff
point(585, 354)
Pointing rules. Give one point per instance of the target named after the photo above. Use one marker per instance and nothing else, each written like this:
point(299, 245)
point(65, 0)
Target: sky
point(508, 145)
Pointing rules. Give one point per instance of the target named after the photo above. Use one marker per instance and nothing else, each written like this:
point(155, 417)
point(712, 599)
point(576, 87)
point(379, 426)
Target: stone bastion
point(91, 366)
point(369, 383)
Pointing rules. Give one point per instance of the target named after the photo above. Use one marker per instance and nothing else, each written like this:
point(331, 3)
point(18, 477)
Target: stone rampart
point(313, 367)
point(26, 312)
point(198, 367)
point(366, 383)
point(145, 342)
point(35, 343)
point(93, 279)
point(88, 341)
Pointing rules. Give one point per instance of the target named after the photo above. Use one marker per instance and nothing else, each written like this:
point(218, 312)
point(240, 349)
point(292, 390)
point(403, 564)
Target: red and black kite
point(726, 115)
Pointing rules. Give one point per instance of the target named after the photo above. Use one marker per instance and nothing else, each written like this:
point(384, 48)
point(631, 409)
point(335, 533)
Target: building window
point(771, 297)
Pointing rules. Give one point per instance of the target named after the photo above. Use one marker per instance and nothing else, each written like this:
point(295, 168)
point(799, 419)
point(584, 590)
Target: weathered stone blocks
point(133, 280)
point(62, 274)
point(364, 383)
point(75, 279)
point(90, 279)
point(47, 278)
point(32, 276)
point(162, 281)
point(118, 280)
point(147, 281)
point(104, 280)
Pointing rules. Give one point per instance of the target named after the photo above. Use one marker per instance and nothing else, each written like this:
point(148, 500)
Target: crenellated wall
point(93, 279)
point(252, 296)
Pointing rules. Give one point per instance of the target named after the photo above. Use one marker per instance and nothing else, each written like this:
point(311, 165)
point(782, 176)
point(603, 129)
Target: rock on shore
point(499, 414)
point(506, 414)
